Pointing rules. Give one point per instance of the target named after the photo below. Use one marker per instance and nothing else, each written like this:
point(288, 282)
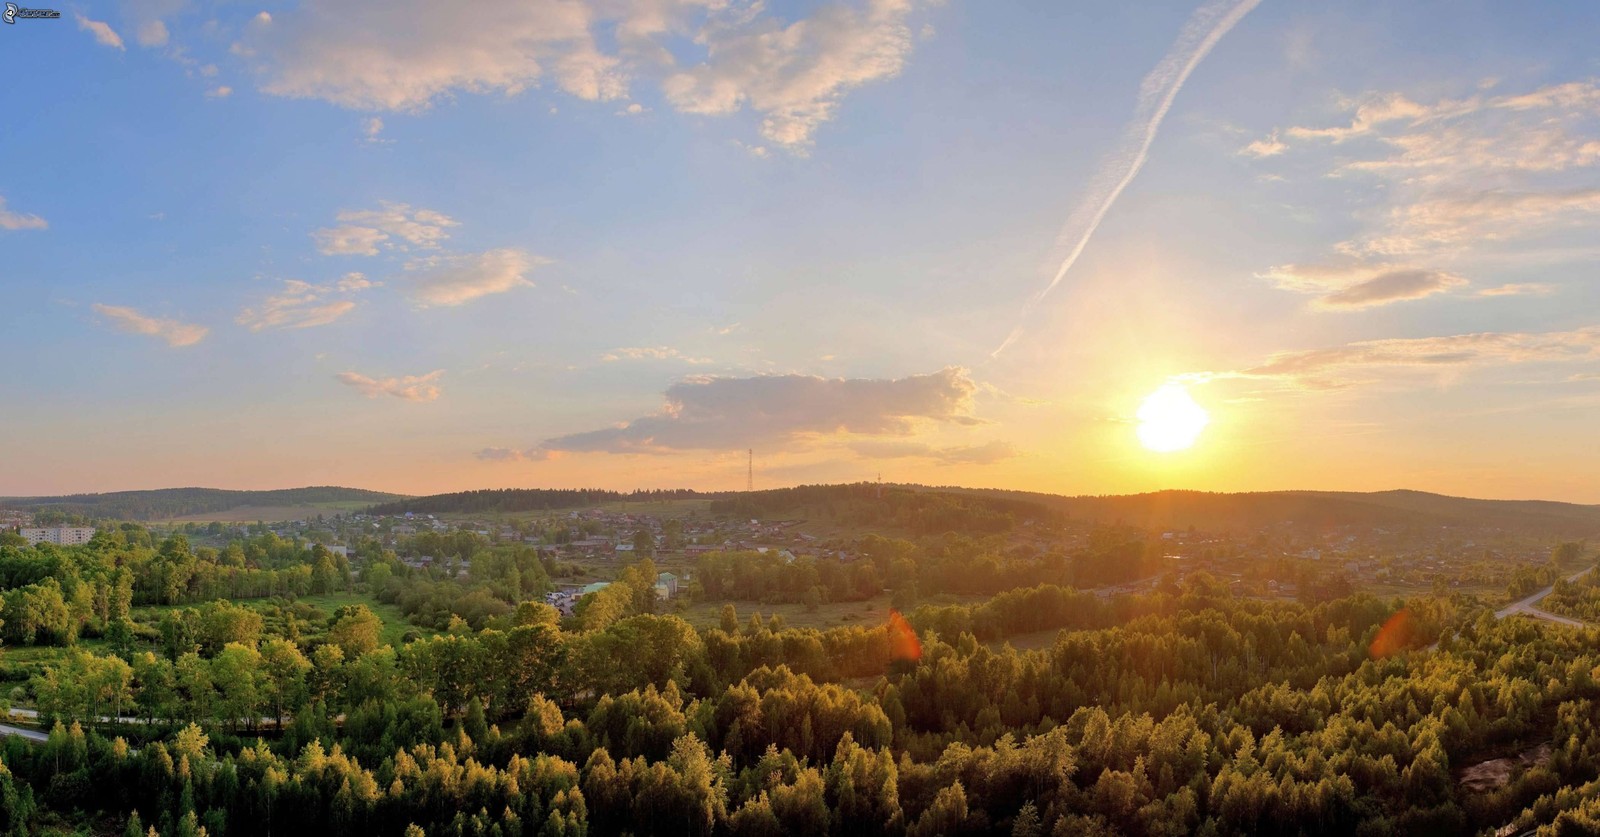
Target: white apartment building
point(62, 535)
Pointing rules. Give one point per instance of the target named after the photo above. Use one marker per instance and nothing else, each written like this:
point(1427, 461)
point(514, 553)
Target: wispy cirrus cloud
point(304, 305)
point(174, 332)
point(19, 221)
point(445, 281)
point(651, 353)
point(708, 56)
point(1460, 177)
point(392, 225)
point(781, 411)
point(418, 388)
point(1344, 366)
point(1430, 225)
point(1206, 26)
point(1518, 289)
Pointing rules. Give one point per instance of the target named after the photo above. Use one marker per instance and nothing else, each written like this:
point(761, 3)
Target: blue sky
point(618, 242)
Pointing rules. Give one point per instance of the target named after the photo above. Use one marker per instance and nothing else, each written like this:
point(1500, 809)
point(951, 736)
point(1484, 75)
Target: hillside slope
point(168, 503)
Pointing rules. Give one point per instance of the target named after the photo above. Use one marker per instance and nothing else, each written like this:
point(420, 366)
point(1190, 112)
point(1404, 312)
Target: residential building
point(62, 535)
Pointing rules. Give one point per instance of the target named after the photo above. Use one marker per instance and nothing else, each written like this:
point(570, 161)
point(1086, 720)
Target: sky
point(620, 243)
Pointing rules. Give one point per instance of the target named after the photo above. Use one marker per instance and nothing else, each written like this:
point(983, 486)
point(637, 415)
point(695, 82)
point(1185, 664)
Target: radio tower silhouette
point(750, 473)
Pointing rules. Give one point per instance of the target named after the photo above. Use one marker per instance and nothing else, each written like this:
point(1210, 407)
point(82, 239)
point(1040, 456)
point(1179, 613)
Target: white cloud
point(175, 333)
point(651, 353)
point(354, 281)
point(1356, 286)
point(362, 232)
point(775, 411)
point(453, 280)
point(303, 305)
point(1269, 147)
point(1376, 111)
point(710, 56)
point(1519, 289)
point(372, 128)
point(514, 455)
point(1521, 132)
point(151, 33)
point(417, 388)
point(795, 75)
point(102, 31)
point(18, 221)
point(221, 91)
point(1353, 363)
point(348, 241)
point(1463, 180)
point(401, 55)
point(1429, 225)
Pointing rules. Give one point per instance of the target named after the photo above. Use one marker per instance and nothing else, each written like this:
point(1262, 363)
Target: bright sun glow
point(1169, 420)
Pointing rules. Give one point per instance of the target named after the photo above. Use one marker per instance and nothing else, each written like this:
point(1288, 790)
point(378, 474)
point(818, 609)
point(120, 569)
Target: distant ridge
point(167, 503)
point(1250, 510)
point(1172, 509)
point(486, 500)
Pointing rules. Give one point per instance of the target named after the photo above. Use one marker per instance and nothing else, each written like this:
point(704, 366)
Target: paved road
point(1529, 605)
point(30, 734)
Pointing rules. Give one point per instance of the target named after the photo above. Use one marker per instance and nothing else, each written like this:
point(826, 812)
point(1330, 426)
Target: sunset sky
point(426, 247)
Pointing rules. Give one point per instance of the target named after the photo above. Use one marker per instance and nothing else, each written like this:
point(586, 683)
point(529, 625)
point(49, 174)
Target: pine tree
point(1027, 822)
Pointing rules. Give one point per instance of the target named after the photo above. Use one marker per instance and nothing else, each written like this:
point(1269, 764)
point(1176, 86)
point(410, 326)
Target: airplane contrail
point(1202, 31)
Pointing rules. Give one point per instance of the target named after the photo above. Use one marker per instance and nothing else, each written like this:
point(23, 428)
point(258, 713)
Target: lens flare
point(903, 642)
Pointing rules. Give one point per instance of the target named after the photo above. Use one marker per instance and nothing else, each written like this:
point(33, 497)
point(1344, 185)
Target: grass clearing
point(272, 514)
point(395, 624)
point(1035, 641)
point(869, 613)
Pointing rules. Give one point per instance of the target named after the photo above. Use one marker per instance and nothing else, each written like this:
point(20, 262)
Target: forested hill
point(1389, 509)
point(913, 508)
point(522, 500)
point(908, 507)
point(166, 503)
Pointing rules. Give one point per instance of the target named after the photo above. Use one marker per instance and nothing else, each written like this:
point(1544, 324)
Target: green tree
point(285, 669)
point(355, 629)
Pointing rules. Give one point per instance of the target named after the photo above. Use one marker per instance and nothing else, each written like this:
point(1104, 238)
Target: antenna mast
point(750, 474)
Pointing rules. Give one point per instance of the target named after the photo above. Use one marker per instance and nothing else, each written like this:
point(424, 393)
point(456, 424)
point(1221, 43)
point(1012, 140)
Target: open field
point(869, 613)
point(271, 514)
point(395, 624)
point(1028, 642)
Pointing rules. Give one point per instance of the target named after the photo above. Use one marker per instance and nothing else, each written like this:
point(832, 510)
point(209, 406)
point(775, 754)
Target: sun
point(1170, 420)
